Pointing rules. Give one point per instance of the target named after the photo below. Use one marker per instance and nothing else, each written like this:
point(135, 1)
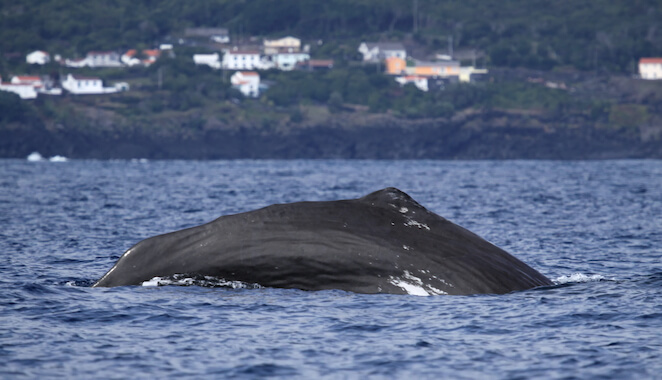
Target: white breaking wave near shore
point(37, 157)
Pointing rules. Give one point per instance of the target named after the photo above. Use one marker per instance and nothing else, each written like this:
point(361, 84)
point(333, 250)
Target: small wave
point(204, 281)
point(58, 159)
point(35, 157)
point(578, 278)
point(84, 283)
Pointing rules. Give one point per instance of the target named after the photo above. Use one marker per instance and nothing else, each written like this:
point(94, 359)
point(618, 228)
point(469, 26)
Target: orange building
point(395, 66)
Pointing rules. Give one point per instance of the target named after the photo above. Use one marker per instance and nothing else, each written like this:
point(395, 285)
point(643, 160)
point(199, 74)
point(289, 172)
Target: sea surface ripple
point(594, 227)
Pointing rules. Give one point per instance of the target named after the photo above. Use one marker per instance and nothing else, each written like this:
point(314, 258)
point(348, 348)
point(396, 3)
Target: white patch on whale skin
point(406, 247)
point(414, 223)
point(414, 285)
point(208, 281)
point(443, 281)
point(435, 291)
point(411, 289)
point(403, 210)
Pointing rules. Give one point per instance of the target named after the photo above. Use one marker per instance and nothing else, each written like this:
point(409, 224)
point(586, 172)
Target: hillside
point(560, 82)
point(582, 34)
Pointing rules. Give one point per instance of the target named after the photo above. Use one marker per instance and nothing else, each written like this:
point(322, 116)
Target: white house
point(288, 61)
point(149, 56)
point(80, 85)
point(38, 57)
point(379, 51)
point(236, 59)
point(96, 59)
point(77, 62)
point(41, 85)
point(248, 82)
point(103, 59)
point(25, 91)
point(650, 68)
point(286, 44)
point(31, 80)
point(211, 60)
point(420, 82)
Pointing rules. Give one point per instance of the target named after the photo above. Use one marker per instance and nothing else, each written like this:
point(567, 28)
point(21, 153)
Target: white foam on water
point(35, 157)
point(577, 278)
point(58, 159)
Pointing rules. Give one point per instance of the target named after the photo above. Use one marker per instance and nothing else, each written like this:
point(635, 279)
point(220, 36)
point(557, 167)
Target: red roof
point(147, 52)
point(249, 73)
point(152, 53)
point(651, 60)
point(27, 78)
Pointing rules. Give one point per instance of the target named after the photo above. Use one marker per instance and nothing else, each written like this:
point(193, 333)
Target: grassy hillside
point(581, 34)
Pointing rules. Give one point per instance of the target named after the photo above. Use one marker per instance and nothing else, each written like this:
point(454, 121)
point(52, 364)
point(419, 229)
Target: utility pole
point(415, 12)
point(450, 46)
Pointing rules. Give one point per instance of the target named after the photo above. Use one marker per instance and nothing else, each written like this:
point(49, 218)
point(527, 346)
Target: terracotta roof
point(249, 73)
point(650, 60)
point(152, 52)
point(28, 78)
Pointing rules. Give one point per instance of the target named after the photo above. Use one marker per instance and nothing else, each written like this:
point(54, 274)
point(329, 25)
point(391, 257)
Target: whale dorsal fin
point(391, 197)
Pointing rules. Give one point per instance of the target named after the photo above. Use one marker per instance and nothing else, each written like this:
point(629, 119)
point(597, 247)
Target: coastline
point(475, 135)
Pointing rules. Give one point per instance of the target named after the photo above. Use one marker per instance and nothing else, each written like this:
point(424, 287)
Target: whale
point(383, 242)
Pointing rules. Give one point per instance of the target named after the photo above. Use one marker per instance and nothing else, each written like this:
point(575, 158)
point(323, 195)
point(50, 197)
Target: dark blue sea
point(595, 228)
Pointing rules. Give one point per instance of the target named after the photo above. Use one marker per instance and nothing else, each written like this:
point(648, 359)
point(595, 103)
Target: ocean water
point(595, 228)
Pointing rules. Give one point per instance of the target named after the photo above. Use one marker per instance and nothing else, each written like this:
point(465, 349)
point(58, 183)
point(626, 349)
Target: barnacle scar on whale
point(384, 242)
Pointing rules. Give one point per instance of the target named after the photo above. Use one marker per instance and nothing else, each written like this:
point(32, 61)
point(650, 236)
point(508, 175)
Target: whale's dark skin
point(384, 242)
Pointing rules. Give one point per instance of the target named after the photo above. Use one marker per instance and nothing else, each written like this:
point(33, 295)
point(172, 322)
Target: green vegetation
point(562, 37)
point(12, 108)
point(581, 34)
